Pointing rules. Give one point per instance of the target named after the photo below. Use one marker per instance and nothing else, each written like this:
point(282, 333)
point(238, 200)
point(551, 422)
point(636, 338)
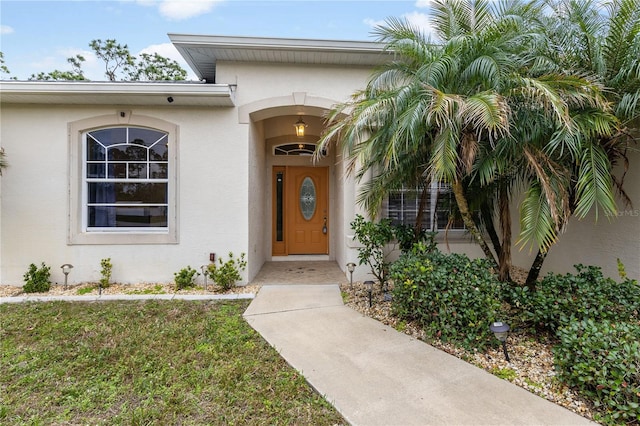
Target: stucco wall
point(212, 195)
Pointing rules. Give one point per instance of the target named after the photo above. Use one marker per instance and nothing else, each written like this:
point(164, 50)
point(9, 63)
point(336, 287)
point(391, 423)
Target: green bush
point(602, 360)
point(105, 272)
point(453, 297)
point(36, 280)
point(185, 278)
point(373, 238)
point(560, 299)
point(226, 274)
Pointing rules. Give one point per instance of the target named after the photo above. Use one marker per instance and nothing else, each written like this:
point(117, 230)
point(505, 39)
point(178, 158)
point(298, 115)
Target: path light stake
point(500, 330)
point(66, 268)
point(369, 285)
point(351, 267)
point(203, 268)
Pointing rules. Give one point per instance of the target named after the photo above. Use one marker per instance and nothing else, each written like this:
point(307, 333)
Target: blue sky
point(39, 36)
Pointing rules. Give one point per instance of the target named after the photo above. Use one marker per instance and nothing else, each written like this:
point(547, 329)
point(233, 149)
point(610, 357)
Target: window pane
point(118, 170)
point(158, 170)
point(95, 170)
point(127, 152)
point(279, 207)
point(136, 217)
point(137, 170)
point(126, 192)
point(110, 137)
point(144, 137)
point(95, 152)
point(159, 152)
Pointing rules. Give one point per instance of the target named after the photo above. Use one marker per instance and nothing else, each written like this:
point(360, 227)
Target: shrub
point(453, 297)
point(105, 272)
point(602, 360)
point(36, 280)
point(373, 238)
point(560, 299)
point(407, 236)
point(227, 273)
point(185, 278)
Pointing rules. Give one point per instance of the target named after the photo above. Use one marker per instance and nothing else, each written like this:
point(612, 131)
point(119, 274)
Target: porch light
point(66, 268)
point(369, 285)
point(300, 126)
point(351, 267)
point(501, 330)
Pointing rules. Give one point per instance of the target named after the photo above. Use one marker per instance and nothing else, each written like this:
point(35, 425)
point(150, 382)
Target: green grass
point(146, 362)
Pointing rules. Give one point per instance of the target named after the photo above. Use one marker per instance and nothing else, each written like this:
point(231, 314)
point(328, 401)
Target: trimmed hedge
point(453, 297)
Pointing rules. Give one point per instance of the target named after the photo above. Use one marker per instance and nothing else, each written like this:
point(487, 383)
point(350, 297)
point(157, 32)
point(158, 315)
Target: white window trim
point(77, 233)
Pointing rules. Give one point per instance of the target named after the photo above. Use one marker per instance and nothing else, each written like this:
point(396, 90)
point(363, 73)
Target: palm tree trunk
point(463, 206)
point(504, 255)
point(534, 271)
point(487, 219)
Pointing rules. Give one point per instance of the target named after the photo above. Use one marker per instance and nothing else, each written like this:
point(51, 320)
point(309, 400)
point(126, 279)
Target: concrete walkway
point(375, 375)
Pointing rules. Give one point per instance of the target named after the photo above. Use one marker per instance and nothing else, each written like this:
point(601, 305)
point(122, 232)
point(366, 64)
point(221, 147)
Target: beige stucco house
point(159, 175)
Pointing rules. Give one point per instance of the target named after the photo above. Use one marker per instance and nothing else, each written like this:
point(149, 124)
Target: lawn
point(146, 362)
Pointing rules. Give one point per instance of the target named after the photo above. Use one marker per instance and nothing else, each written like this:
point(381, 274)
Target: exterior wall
point(257, 201)
point(598, 243)
point(212, 195)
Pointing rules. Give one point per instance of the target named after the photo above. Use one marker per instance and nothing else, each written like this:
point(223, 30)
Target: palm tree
point(450, 106)
point(603, 43)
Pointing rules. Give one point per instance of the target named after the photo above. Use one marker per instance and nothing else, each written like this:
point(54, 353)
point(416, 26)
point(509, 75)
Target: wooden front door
point(301, 210)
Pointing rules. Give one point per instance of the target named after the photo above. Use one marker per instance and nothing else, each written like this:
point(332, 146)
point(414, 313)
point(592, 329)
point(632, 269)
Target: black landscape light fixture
point(501, 330)
point(66, 268)
point(205, 272)
point(369, 285)
point(351, 267)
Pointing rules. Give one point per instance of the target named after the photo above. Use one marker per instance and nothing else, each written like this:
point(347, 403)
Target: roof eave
point(116, 93)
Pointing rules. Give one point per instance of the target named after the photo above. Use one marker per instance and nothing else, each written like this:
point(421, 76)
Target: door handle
point(324, 226)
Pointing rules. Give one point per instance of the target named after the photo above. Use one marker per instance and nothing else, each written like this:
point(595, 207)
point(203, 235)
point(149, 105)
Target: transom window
point(439, 208)
point(295, 149)
point(126, 180)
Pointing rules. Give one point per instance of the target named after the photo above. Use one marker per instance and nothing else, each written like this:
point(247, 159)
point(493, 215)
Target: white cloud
point(183, 9)
point(420, 21)
point(5, 29)
point(373, 23)
point(423, 3)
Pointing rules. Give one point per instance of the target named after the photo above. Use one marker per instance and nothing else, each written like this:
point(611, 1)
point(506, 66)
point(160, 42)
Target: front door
point(301, 210)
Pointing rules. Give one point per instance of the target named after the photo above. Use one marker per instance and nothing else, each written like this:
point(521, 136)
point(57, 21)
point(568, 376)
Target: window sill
point(123, 238)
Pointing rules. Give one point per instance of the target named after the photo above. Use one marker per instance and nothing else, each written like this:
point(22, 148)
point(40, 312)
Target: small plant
point(105, 272)
point(373, 237)
point(85, 290)
point(621, 269)
point(504, 373)
point(185, 278)
point(36, 280)
point(226, 274)
point(156, 289)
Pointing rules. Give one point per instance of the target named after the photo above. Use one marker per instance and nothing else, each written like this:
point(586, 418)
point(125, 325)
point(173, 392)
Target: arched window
point(295, 149)
point(123, 180)
point(126, 179)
